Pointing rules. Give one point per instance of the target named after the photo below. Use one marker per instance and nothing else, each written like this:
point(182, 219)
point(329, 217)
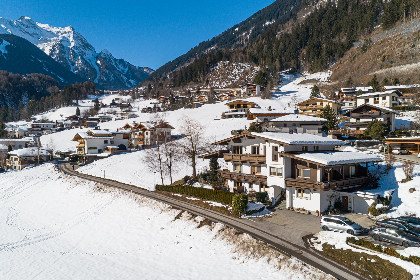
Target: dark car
point(400, 225)
point(394, 236)
point(415, 222)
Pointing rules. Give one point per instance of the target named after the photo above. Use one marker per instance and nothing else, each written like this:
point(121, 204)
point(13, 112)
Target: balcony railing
point(244, 177)
point(325, 186)
point(365, 115)
point(244, 158)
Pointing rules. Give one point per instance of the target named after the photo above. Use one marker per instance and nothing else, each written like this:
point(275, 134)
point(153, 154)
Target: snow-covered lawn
point(57, 227)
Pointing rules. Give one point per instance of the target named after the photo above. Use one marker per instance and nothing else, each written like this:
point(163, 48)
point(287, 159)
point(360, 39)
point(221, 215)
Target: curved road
point(282, 245)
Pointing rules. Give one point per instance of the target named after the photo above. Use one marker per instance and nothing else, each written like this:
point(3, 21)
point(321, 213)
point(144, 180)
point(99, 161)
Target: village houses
point(389, 98)
point(148, 134)
point(238, 109)
point(303, 169)
point(315, 106)
point(364, 114)
point(20, 158)
point(296, 123)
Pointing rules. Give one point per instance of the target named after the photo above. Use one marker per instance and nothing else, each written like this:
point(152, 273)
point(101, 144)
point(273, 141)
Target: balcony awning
point(338, 158)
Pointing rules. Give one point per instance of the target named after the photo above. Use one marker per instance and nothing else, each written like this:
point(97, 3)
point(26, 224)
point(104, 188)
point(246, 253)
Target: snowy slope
point(57, 227)
point(72, 50)
point(131, 168)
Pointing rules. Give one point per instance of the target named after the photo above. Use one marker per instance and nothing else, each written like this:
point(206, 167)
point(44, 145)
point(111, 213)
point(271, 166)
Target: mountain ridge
point(69, 48)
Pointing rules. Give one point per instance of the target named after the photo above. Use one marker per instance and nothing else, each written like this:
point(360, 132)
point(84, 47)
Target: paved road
point(243, 225)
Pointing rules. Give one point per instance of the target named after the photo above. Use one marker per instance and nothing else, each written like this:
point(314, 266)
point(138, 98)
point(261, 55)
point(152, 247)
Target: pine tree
point(331, 117)
point(77, 111)
point(315, 93)
point(96, 106)
point(374, 84)
point(376, 130)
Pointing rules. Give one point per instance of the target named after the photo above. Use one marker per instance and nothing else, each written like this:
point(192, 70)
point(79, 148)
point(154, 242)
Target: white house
point(16, 143)
point(21, 158)
point(296, 123)
point(302, 168)
point(387, 99)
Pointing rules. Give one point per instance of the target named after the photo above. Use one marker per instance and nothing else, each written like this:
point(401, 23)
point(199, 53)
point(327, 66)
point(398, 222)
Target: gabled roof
point(298, 118)
point(374, 106)
point(379, 93)
point(286, 139)
point(29, 152)
point(320, 99)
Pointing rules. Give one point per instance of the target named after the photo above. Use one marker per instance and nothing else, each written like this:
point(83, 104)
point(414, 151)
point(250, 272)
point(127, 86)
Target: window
point(255, 150)
point(275, 153)
point(276, 171)
point(255, 169)
point(304, 173)
point(105, 141)
point(352, 171)
point(238, 184)
point(231, 106)
point(316, 148)
point(237, 167)
point(237, 149)
point(366, 100)
point(304, 148)
point(384, 98)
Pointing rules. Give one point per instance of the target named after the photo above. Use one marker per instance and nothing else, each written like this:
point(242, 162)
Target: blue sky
point(145, 33)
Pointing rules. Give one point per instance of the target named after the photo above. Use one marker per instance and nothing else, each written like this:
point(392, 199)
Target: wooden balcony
point(244, 158)
point(366, 115)
point(326, 186)
point(244, 177)
point(311, 107)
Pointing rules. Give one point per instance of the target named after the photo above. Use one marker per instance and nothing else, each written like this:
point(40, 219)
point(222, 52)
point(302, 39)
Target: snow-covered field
point(58, 227)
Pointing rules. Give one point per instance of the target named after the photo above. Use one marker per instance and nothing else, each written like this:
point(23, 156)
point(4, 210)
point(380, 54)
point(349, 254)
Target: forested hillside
point(238, 36)
point(23, 96)
point(316, 40)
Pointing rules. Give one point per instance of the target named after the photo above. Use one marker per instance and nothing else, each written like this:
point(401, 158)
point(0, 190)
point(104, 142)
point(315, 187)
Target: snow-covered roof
point(404, 138)
point(401, 86)
point(378, 93)
point(320, 98)
point(7, 140)
point(376, 106)
point(298, 138)
point(240, 100)
point(298, 118)
point(265, 111)
point(364, 88)
point(339, 158)
point(29, 152)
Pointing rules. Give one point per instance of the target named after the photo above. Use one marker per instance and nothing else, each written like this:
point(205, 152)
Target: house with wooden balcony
point(238, 108)
point(21, 158)
point(388, 99)
point(304, 169)
point(315, 106)
point(361, 116)
point(99, 143)
point(408, 93)
point(249, 90)
point(148, 134)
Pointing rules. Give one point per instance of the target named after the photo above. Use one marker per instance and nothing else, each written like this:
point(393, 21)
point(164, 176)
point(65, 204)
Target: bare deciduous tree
point(171, 158)
point(155, 162)
point(194, 143)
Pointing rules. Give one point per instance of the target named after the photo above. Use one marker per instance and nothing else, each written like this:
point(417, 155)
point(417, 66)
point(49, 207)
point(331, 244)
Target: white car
point(400, 151)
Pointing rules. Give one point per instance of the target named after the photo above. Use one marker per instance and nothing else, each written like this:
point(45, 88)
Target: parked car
point(400, 225)
point(394, 236)
point(413, 221)
point(398, 151)
point(340, 223)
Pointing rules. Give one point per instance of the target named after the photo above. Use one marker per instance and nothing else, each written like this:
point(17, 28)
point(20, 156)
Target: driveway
point(289, 224)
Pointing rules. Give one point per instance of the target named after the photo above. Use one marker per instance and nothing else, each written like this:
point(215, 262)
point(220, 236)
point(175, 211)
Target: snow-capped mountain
point(68, 47)
point(19, 56)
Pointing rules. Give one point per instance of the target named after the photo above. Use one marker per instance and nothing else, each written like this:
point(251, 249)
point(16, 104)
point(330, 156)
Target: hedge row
point(213, 195)
point(404, 108)
point(379, 248)
point(370, 266)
